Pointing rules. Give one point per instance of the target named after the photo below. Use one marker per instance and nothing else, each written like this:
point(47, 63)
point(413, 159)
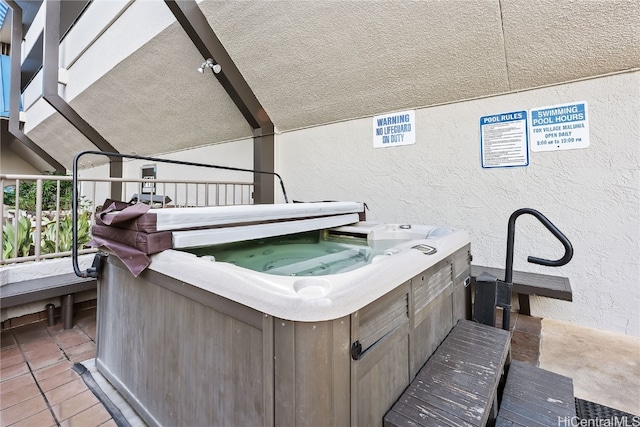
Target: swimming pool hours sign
point(559, 127)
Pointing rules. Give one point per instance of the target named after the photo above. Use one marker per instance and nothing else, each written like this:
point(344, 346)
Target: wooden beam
point(50, 92)
point(14, 97)
point(195, 24)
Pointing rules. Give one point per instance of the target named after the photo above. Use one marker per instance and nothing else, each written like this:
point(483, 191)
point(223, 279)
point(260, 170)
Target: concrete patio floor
point(38, 387)
point(605, 366)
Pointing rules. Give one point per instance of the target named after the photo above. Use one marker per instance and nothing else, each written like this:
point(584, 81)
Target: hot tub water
point(304, 254)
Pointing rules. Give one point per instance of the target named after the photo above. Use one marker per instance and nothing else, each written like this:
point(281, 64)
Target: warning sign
point(394, 129)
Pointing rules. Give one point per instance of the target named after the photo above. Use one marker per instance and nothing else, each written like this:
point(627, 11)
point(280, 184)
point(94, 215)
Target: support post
point(51, 314)
point(485, 299)
point(67, 311)
point(523, 302)
point(263, 159)
point(51, 68)
point(14, 97)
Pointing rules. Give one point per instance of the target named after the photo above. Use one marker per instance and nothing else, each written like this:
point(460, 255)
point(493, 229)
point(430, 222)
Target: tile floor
point(38, 386)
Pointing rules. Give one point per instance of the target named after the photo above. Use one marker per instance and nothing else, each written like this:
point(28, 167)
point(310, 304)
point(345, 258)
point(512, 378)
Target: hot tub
point(318, 327)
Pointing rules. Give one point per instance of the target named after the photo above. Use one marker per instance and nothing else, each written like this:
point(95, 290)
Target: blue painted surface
point(4, 70)
point(3, 12)
point(5, 73)
point(5, 86)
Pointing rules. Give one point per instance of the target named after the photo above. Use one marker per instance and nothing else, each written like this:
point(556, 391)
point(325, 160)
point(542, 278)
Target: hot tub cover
point(133, 232)
point(149, 243)
point(140, 217)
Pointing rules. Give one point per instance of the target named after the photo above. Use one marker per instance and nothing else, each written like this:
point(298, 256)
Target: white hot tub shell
point(192, 341)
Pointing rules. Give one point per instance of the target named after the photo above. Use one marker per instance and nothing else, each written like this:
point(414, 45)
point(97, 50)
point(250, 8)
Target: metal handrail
point(13, 177)
point(511, 231)
point(93, 271)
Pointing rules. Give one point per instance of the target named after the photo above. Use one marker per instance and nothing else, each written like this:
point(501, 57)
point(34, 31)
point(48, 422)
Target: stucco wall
point(11, 163)
point(592, 194)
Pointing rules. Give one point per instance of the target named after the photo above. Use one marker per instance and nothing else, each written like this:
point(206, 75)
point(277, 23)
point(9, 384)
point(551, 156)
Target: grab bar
point(511, 231)
point(94, 270)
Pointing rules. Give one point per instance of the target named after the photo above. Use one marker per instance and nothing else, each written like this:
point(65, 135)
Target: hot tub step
point(458, 384)
point(535, 397)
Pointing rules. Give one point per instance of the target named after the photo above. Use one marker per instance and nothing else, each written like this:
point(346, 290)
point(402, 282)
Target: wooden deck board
point(534, 397)
point(525, 284)
point(466, 410)
point(447, 391)
point(477, 351)
point(458, 384)
point(397, 419)
point(507, 418)
point(465, 382)
point(532, 283)
point(427, 414)
point(541, 407)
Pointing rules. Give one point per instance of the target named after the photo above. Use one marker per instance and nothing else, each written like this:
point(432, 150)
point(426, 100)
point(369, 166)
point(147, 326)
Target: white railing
point(36, 209)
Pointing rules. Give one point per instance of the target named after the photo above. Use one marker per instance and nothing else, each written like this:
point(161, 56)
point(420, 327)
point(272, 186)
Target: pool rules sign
point(503, 140)
point(559, 127)
point(390, 130)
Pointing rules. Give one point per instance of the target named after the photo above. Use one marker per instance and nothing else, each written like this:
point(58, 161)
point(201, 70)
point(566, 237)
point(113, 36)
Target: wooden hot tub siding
point(184, 356)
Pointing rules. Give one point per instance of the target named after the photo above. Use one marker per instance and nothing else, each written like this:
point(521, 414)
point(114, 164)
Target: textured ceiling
point(153, 102)
point(60, 140)
point(550, 41)
point(156, 102)
point(314, 62)
point(317, 62)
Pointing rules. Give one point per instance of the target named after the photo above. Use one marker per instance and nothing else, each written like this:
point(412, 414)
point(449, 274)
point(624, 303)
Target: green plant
point(25, 240)
point(9, 195)
point(28, 193)
point(65, 234)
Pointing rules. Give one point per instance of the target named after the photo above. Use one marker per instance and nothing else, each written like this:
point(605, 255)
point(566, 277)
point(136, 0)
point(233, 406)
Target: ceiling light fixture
point(216, 68)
